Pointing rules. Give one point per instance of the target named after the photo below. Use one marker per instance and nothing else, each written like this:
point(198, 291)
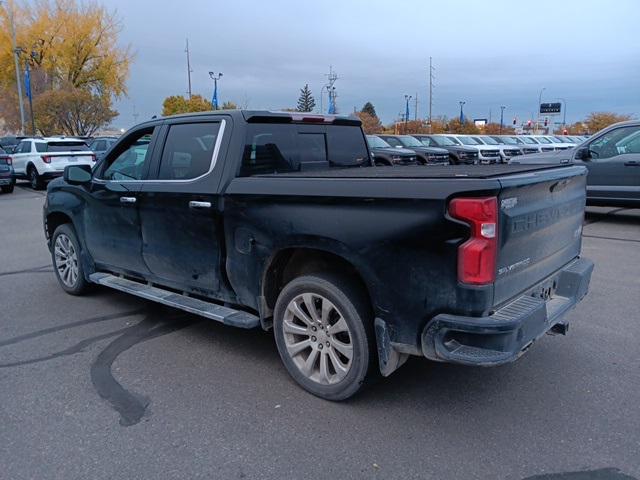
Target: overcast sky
point(486, 53)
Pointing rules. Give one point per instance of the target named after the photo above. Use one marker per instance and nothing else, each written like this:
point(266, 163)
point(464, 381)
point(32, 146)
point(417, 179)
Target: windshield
point(409, 141)
point(443, 141)
point(488, 140)
point(511, 141)
point(377, 142)
point(543, 140)
point(468, 141)
point(66, 146)
point(528, 140)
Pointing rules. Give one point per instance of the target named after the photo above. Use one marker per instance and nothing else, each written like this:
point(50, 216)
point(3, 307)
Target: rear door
point(614, 166)
point(21, 157)
point(180, 208)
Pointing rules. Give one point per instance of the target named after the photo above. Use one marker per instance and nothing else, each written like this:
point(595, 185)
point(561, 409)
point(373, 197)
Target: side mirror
point(77, 174)
point(583, 154)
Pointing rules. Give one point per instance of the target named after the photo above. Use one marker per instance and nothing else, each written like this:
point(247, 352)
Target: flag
point(214, 100)
point(27, 82)
point(332, 105)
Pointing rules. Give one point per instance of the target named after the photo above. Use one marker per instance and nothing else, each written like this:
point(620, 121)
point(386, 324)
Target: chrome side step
point(213, 311)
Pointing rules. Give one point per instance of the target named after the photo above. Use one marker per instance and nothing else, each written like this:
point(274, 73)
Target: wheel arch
point(53, 220)
point(290, 262)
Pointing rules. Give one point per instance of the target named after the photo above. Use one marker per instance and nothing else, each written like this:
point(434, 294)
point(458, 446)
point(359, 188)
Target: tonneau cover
point(419, 171)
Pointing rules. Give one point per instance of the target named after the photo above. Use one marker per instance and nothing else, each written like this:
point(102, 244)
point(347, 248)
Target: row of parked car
point(40, 159)
point(462, 149)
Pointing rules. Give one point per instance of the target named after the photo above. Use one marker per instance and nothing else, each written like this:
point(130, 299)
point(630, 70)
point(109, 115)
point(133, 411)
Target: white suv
point(42, 159)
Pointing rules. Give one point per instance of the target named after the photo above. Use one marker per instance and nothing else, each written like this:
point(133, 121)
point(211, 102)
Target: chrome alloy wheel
point(317, 338)
point(66, 259)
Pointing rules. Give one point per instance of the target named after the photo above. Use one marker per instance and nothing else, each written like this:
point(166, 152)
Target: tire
point(65, 255)
point(34, 178)
point(348, 327)
point(7, 188)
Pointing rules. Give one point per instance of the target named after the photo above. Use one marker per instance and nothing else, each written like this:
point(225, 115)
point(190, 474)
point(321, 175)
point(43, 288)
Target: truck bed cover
point(419, 171)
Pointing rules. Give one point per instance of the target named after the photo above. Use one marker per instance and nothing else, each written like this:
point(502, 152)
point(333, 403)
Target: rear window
point(66, 146)
point(274, 148)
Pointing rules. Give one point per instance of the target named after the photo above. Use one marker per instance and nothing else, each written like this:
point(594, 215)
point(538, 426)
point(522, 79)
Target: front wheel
point(7, 188)
point(324, 333)
point(66, 260)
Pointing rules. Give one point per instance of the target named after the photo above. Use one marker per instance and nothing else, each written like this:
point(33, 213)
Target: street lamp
point(215, 77)
point(461, 112)
point(502, 107)
point(564, 113)
point(406, 111)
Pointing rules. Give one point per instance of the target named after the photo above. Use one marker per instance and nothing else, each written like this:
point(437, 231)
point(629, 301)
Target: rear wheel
point(323, 330)
point(66, 260)
point(7, 188)
point(34, 179)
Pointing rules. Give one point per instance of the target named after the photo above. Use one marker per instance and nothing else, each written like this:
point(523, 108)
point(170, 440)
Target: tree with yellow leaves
point(71, 46)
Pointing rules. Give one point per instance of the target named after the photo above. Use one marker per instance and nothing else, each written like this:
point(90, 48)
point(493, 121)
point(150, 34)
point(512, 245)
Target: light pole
point(538, 115)
point(564, 113)
point(214, 100)
point(461, 112)
point(502, 107)
point(16, 55)
point(406, 111)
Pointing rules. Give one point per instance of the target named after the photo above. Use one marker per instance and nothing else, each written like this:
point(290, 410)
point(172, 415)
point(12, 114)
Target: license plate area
point(546, 290)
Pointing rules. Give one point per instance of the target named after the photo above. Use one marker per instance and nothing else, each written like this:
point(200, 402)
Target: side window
point(614, 143)
point(98, 146)
point(25, 147)
point(347, 146)
point(41, 147)
point(131, 157)
point(188, 151)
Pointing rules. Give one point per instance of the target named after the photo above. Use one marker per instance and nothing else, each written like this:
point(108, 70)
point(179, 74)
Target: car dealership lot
point(108, 385)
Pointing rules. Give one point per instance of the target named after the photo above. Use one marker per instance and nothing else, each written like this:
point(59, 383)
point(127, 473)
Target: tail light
point(7, 160)
point(477, 256)
point(46, 158)
point(93, 157)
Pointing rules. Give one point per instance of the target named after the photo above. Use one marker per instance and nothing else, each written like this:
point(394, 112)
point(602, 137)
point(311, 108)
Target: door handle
point(632, 163)
point(195, 204)
point(127, 199)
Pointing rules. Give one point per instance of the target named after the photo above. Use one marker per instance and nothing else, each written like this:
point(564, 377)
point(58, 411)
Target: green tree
point(306, 102)
point(177, 104)
point(72, 112)
point(369, 109)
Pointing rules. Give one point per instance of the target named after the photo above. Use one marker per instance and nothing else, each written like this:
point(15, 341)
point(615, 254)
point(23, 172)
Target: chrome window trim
point(214, 160)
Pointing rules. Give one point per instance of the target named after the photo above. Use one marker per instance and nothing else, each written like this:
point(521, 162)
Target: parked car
point(458, 154)
point(426, 155)
point(506, 151)
point(513, 141)
point(544, 144)
point(386, 155)
point(7, 178)
point(100, 145)
point(9, 143)
point(486, 154)
point(279, 221)
point(42, 159)
point(612, 157)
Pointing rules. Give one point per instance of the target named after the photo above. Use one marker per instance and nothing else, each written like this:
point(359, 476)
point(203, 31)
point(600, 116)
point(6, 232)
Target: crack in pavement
point(46, 331)
point(43, 269)
point(131, 406)
point(600, 474)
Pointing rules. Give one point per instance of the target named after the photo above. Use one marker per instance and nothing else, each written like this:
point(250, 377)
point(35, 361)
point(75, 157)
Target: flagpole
point(27, 81)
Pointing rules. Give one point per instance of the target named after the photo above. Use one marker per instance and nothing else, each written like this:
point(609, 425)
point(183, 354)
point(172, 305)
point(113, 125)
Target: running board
point(213, 311)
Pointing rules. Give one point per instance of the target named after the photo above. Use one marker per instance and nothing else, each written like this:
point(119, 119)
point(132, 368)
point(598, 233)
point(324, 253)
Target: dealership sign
point(550, 108)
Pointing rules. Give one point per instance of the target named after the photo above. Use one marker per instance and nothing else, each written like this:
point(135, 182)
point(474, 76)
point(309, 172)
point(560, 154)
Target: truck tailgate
point(541, 215)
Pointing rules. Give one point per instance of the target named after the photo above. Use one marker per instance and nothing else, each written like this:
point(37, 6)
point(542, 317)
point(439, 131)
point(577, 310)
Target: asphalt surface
point(109, 386)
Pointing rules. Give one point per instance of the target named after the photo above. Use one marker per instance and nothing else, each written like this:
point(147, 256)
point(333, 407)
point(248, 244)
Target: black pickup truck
point(281, 221)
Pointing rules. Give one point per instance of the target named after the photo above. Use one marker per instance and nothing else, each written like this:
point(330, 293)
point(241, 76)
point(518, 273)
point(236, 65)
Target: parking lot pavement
point(110, 386)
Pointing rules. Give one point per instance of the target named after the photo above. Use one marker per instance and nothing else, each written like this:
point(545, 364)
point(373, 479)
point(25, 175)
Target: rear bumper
point(506, 334)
